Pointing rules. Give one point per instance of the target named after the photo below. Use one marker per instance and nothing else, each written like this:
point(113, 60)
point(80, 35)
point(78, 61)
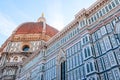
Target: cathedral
point(88, 48)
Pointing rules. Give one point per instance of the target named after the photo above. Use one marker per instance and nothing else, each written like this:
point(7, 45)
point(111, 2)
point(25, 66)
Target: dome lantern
point(42, 18)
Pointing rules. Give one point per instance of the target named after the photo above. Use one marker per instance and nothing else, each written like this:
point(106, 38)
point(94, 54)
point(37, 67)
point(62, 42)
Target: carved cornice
point(30, 37)
point(61, 56)
point(14, 64)
point(95, 6)
point(62, 32)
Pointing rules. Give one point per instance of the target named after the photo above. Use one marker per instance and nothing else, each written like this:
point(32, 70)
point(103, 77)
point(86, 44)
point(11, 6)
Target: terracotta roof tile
point(35, 28)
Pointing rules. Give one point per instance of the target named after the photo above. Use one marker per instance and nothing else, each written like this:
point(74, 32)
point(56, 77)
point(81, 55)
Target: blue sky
point(58, 13)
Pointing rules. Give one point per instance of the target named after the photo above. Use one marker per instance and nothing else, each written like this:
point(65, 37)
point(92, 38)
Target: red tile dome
point(34, 31)
point(35, 28)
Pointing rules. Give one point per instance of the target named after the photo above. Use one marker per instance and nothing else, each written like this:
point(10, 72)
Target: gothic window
point(85, 39)
point(87, 52)
point(63, 70)
point(89, 67)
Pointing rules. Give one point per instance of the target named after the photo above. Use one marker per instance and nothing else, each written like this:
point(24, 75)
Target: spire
point(42, 18)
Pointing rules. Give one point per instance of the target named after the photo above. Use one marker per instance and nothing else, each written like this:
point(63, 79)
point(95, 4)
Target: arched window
point(63, 70)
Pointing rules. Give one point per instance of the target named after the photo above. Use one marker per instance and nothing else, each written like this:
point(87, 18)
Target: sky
point(58, 13)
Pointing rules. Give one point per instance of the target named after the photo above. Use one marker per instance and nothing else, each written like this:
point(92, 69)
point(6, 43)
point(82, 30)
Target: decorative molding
point(61, 57)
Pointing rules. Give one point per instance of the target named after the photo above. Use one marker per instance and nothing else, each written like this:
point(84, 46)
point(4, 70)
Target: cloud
point(6, 25)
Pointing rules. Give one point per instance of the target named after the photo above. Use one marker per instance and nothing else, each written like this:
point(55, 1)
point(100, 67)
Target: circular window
point(26, 48)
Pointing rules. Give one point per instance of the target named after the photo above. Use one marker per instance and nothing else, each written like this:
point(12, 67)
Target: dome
point(35, 28)
point(39, 30)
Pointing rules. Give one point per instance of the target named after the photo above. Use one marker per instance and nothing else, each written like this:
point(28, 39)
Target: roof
point(35, 28)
